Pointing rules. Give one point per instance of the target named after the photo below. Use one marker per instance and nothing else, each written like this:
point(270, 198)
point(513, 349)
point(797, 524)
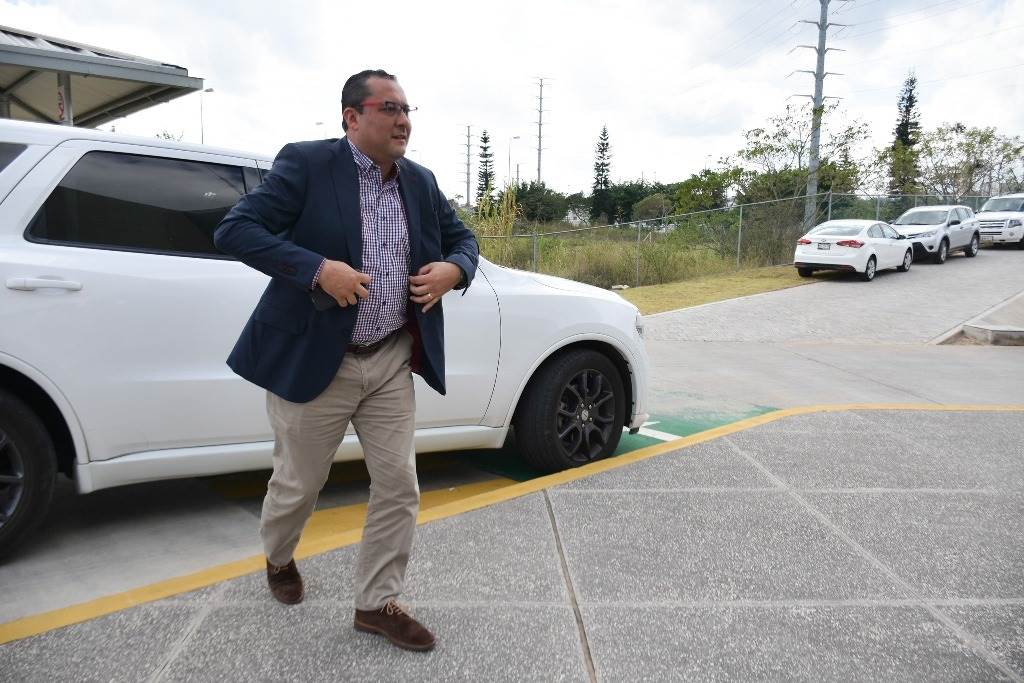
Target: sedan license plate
point(824, 245)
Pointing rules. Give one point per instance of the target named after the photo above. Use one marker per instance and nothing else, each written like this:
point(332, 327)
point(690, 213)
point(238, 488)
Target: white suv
point(938, 231)
point(1002, 220)
point(118, 313)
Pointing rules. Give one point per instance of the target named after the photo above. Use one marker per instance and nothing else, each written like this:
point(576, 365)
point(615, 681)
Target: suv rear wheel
point(572, 412)
point(28, 470)
point(972, 249)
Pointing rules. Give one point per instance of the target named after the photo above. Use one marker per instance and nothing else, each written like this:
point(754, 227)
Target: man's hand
point(344, 283)
point(432, 282)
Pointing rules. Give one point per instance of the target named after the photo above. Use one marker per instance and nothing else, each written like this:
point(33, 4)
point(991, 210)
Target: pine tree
point(600, 201)
point(485, 176)
point(904, 172)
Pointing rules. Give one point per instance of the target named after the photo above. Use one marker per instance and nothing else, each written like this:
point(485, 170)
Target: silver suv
point(1002, 220)
point(936, 231)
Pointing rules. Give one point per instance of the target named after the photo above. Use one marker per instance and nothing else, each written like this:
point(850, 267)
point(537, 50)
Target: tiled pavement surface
point(842, 546)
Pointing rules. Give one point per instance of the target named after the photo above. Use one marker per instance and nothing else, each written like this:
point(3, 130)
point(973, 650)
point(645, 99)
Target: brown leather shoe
point(285, 582)
point(395, 624)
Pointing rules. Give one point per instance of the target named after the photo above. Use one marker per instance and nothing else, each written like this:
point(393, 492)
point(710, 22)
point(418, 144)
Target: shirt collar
point(365, 163)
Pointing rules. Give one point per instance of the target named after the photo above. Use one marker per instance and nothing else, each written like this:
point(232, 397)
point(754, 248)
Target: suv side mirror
point(955, 221)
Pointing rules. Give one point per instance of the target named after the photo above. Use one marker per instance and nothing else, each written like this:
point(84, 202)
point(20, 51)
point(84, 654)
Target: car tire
point(971, 250)
point(805, 272)
point(908, 259)
point(28, 471)
point(869, 270)
point(572, 412)
point(943, 253)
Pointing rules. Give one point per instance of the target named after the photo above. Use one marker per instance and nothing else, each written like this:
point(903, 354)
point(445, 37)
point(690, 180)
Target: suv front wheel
point(28, 470)
point(572, 412)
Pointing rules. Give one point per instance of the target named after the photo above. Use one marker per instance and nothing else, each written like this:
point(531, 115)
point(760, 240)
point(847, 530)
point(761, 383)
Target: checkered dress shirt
point(385, 253)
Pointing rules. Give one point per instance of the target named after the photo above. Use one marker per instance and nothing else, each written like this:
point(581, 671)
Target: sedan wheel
point(908, 259)
point(943, 253)
point(869, 271)
point(972, 248)
point(27, 471)
point(572, 413)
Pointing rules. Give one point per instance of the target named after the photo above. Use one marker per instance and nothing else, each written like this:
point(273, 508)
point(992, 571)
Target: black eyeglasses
point(388, 107)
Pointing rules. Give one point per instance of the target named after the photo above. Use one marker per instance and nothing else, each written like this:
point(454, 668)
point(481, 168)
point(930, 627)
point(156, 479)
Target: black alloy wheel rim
point(12, 478)
point(586, 416)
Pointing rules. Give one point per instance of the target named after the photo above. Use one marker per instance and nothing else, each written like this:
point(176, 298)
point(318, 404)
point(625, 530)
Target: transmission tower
point(540, 123)
point(818, 98)
point(468, 158)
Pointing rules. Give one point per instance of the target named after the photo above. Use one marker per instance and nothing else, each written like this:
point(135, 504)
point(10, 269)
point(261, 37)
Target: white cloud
point(675, 82)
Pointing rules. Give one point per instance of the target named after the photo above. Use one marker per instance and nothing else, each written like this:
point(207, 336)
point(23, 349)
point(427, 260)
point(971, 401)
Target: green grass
point(673, 295)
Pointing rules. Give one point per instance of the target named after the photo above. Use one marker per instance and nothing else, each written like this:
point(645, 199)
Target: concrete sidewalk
point(866, 545)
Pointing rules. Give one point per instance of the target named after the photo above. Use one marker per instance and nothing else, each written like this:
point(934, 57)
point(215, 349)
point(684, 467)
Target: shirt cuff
point(316, 278)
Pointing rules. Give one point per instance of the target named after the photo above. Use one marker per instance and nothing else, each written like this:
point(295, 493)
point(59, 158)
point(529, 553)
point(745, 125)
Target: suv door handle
point(30, 284)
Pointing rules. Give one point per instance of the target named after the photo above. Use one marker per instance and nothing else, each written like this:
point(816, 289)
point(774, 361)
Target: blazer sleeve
point(256, 230)
point(458, 243)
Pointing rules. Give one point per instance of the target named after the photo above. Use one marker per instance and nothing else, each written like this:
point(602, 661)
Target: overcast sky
point(676, 82)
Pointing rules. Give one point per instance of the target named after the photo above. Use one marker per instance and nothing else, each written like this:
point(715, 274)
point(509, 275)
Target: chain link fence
point(682, 246)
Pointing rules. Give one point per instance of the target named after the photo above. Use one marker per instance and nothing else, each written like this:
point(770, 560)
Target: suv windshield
point(1004, 204)
point(922, 218)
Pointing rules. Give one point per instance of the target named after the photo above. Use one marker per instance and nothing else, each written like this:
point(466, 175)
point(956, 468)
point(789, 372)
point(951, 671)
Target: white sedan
point(118, 313)
point(860, 246)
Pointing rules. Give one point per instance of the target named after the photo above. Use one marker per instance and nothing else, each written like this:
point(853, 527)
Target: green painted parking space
point(506, 462)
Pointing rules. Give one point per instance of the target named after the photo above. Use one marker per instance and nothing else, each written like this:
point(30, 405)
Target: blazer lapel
point(346, 194)
point(410, 200)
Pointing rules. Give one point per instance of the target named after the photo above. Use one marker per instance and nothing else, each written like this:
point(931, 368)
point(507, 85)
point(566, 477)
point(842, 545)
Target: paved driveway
point(903, 308)
point(840, 341)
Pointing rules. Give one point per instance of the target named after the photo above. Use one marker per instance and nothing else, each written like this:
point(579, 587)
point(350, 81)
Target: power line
point(976, 36)
point(948, 78)
point(903, 14)
point(914, 21)
point(763, 27)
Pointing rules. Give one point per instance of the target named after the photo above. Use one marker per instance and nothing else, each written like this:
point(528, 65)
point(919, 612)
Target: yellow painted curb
point(40, 623)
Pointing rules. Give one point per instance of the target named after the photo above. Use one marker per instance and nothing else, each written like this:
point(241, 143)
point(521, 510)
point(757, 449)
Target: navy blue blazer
point(306, 209)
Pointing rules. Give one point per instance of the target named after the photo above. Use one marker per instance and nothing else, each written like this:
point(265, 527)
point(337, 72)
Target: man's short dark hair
point(357, 89)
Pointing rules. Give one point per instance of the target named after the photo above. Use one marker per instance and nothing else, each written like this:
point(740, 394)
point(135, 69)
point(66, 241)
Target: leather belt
point(364, 349)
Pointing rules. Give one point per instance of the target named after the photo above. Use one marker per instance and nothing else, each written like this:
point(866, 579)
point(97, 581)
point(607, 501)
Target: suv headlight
point(1013, 223)
point(930, 233)
point(639, 323)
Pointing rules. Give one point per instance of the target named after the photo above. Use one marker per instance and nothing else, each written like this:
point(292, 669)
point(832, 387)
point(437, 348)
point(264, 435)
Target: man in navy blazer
point(361, 246)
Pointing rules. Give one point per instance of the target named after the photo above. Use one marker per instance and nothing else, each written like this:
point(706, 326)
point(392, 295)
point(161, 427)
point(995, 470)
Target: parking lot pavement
point(841, 341)
point(864, 544)
point(903, 308)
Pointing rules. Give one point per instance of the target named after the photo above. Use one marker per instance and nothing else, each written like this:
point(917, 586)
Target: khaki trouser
point(375, 392)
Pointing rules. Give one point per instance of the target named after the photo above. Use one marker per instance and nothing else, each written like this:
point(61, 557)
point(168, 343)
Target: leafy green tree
point(957, 160)
point(539, 203)
point(578, 205)
point(622, 197)
point(708, 189)
point(485, 174)
point(775, 157)
point(655, 205)
point(600, 198)
point(902, 157)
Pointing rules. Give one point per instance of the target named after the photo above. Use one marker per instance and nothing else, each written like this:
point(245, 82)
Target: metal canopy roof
point(103, 85)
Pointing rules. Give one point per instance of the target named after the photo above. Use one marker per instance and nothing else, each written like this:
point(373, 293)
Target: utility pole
point(468, 151)
point(540, 125)
point(810, 204)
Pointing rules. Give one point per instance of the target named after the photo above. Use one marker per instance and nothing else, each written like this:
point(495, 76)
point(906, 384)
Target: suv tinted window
point(8, 153)
point(139, 203)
